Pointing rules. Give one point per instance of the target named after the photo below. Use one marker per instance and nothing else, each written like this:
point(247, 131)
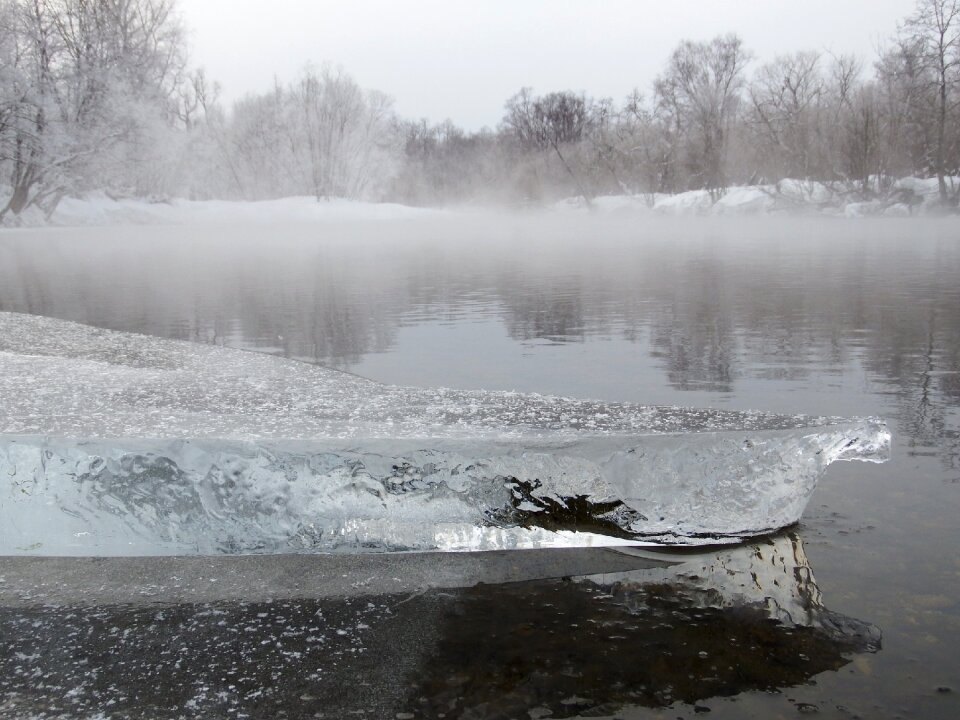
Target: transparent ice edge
point(64, 496)
point(115, 443)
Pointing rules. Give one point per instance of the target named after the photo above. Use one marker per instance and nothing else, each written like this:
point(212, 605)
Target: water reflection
point(746, 618)
point(717, 624)
point(710, 309)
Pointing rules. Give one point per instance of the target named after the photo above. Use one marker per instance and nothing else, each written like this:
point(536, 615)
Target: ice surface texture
point(121, 444)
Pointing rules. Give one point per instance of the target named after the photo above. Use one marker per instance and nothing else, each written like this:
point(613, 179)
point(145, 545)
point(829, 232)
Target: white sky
point(462, 60)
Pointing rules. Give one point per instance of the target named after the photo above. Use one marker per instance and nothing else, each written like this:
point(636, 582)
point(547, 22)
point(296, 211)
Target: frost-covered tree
point(262, 148)
point(670, 136)
point(631, 148)
point(85, 87)
point(908, 133)
point(128, 59)
point(322, 136)
point(34, 148)
point(348, 134)
point(611, 166)
point(201, 164)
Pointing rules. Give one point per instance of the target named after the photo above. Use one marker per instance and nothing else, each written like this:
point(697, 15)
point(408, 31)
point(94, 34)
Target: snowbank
point(907, 196)
point(694, 202)
point(745, 201)
point(925, 191)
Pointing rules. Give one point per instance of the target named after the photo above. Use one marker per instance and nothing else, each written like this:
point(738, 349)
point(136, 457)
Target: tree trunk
point(576, 180)
point(941, 136)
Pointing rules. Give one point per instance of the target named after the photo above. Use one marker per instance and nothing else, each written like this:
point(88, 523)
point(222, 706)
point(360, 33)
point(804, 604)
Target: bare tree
point(556, 121)
point(703, 83)
point(903, 81)
point(935, 30)
point(786, 102)
point(861, 156)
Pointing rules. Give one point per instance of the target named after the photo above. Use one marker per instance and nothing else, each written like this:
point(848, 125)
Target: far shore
point(907, 197)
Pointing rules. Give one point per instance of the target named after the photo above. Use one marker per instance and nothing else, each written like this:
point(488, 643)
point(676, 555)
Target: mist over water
point(707, 308)
point(789, 315)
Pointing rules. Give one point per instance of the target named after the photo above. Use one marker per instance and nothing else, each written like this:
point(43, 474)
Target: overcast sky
point(462, 60)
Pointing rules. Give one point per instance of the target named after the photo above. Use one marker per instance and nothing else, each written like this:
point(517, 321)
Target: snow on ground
point(98, 209)
point(908, 196)
point(745, 200)
point(693, 202)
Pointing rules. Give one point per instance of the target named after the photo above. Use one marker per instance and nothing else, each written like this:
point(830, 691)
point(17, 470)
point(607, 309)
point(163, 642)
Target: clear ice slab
point(121, 444)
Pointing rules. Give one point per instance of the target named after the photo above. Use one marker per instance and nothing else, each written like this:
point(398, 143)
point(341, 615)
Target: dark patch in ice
point(577, 513)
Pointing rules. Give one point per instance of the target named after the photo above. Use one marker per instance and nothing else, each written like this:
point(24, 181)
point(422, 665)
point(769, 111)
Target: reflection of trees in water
point(301, 301)
point(722, 623)
point(695, 358)
point(552, 313)
point(714, 312)
point(916, 349)
point(719, 624)
point(576, 652)
point(710, 310)
point(693, 334)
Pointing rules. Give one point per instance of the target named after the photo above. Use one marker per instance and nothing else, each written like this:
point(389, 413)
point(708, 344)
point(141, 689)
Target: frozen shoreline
point(907, 197)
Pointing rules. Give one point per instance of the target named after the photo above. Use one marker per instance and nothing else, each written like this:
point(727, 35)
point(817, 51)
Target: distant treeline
point(99, 95)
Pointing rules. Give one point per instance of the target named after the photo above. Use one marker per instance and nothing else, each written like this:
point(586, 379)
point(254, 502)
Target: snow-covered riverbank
point(908, 196)
point(99, 209)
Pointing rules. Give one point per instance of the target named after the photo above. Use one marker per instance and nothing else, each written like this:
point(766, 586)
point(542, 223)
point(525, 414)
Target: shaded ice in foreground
point(122, 444)
point(720, 622)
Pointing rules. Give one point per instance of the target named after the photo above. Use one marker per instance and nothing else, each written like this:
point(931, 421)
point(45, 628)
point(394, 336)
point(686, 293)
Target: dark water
point(794, 316)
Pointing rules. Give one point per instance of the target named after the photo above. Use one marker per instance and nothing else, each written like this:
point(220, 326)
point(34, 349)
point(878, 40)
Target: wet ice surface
point(121, 444)
point(745, 618)
point(66, 379)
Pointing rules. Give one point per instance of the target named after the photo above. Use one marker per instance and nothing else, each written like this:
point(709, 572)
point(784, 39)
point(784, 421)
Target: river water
point(826, 317)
